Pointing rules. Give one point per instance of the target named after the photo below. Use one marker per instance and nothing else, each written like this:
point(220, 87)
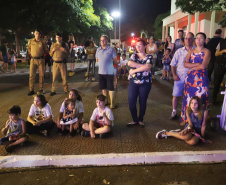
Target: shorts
point(5, 58)
point(99, 125)
point(178, 88)
point(106, 82)
point(166, 67)
point(48, 60)
point(115, 71)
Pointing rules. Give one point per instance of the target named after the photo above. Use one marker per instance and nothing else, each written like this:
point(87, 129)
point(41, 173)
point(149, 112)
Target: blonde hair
point(200, 107)
point(71, 37)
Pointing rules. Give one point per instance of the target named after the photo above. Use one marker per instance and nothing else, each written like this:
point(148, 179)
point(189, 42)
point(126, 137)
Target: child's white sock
point(174, 110)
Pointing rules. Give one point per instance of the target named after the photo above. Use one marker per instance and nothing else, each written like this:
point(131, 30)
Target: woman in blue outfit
point(139, 82)
point(196, 83)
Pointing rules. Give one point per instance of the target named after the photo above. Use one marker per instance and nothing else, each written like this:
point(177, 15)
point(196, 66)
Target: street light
point(116, 14)
point(132, 34)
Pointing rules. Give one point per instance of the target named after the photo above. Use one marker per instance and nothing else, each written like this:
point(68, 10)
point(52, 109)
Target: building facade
point(206, 22)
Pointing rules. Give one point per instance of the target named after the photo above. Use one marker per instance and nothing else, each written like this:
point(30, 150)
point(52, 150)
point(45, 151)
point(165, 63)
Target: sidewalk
point(132, 145)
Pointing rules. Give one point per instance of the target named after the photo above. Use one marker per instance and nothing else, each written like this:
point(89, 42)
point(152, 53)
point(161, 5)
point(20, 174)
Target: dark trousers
point(211, 67)
point(91, 62)
point(135, 90)
point(219, 72)
point(37, 129)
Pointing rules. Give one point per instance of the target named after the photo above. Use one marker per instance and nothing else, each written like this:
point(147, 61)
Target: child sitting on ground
point(194, 129)
point(101, 121)
point(122, 65)
point(166, 65)
point(69, 116)
point(14, 129)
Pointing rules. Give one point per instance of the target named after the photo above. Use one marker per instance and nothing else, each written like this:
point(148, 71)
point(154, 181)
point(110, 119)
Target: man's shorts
point(106, 82)
point(5, 58)
point(166, 67)
point(115, 71)
point(48, 60)
point(178, 88)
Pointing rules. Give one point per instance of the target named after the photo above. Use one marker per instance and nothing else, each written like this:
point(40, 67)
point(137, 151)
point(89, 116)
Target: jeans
point(91, 62)
point(159, 59)
point(135, 90)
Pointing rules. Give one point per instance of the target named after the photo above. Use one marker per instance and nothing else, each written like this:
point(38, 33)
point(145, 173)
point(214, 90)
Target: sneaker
point(9, 149)
point(30, 93)
point(59, 131)
point(93, 79)
point(173, 116)
point(45, 133)
point(41, 92)
point(161, 135)
point(72, 134)
point(141, 124)
point(87, 79)
point(105, 135)
point(131, 124)
point(85, 133)
point(52, 93)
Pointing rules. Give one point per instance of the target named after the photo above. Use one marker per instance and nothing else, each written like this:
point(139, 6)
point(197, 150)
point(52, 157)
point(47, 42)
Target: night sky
point(136, 15)
point(132, 8)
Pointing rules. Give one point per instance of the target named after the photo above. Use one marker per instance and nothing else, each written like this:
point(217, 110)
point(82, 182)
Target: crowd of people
point(187, 59)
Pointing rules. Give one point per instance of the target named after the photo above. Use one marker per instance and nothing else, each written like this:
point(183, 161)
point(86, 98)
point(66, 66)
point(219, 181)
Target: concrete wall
point(173, 7)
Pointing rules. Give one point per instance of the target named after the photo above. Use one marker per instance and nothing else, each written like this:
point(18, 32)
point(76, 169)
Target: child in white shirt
point(101, 121)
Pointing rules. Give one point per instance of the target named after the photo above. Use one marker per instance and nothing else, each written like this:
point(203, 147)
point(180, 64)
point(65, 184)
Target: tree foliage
point(192, 6)
point(158, 25)
point(51, 16)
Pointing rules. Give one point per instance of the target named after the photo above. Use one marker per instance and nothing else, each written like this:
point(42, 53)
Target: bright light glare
point(132, 34)
point(115, 14)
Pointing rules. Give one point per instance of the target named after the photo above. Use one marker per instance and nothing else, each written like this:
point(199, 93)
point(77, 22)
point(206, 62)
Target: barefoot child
point(101, 121)
point(14, 129)
point(166, 65)
point(69, 116)
point(194, 129)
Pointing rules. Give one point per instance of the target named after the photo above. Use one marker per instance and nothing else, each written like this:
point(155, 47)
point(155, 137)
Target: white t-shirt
point(40, 114)
point(78, 106)
point(96, 114)
point(123, 62)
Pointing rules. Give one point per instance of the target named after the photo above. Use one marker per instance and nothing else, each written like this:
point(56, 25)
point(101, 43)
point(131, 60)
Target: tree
point(192, 6)
point(68, 16)
point(158, 25)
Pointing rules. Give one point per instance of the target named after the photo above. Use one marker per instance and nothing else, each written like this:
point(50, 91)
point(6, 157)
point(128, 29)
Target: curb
point(19, 161)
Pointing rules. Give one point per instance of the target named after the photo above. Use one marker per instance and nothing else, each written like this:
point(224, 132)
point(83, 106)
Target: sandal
point(141, 124)
point(131, 124)
point(9, 149)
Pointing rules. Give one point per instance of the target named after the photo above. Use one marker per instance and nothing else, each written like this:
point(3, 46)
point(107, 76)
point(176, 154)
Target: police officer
point(36, 47)
point(59, 51)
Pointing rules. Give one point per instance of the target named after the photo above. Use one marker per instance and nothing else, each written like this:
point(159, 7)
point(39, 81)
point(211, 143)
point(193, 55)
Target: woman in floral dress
point(196, 83)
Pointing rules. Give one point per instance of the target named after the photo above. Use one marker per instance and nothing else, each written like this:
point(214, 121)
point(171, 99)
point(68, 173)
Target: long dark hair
point(204, 35)
point(42, 99)
point(79, 98)
point(200, 106)
point(167, 43)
